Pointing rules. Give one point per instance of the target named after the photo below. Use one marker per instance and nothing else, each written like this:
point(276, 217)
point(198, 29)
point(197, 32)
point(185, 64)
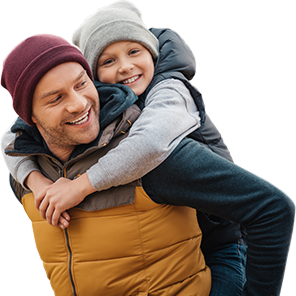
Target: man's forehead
point(59, 77)
point(64, 71)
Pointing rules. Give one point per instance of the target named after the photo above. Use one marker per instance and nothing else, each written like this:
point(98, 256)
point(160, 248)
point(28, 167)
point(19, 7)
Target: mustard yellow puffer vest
point(119, 241)
point(137, 249)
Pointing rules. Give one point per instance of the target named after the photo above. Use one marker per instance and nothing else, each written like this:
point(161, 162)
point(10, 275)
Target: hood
point(174, 54)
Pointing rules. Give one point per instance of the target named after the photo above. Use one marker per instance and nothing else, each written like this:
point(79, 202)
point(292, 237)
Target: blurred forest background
point(246, 71)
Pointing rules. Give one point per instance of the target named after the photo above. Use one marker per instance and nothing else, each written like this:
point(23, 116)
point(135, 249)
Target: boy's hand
point(64, 194)
point(64, 220)
point(37, 182)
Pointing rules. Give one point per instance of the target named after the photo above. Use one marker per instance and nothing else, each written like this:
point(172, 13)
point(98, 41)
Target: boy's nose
point(125, 67)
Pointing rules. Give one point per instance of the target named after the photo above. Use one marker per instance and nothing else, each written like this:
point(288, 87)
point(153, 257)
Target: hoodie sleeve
point(169, 115)
point(19, 166)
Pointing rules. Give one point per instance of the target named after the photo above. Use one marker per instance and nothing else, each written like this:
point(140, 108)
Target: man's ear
point(34, 118)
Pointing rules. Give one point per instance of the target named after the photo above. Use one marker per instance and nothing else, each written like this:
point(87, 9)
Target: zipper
point(70, 263)
point(63, 173)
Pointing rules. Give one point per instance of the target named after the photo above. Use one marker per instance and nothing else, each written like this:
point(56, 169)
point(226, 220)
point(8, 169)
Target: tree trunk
point(271, 148)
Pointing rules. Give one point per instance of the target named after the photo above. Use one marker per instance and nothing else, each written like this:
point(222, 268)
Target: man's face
point(127, 63)
point(66, 108)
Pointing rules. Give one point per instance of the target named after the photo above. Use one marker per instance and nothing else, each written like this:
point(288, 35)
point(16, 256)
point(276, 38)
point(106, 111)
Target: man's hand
point(37, 182)
point(64, 194)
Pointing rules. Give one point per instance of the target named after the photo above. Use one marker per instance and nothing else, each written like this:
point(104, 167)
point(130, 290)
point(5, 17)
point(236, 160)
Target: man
point(113, 245)
point(260, 207)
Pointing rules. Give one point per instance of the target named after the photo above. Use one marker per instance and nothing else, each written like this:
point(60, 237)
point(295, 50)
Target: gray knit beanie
point(120, 21)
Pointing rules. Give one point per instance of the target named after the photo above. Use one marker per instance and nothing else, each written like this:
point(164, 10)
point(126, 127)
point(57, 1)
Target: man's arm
point(194, 176)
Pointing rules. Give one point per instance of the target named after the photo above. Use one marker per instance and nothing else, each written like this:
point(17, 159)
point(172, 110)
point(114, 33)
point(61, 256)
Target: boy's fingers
point(50, 214)
point(65, 223)
point(39, 198)
point(37, 203)
point(66, 216)
point(43, 208)
point(55, 217)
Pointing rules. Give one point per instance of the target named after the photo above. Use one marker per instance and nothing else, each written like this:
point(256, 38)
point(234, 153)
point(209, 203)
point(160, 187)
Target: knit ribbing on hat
point(29, 62)
point(120, 21)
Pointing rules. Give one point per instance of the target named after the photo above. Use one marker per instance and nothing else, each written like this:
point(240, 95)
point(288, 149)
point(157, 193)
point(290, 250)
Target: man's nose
point(76, 102)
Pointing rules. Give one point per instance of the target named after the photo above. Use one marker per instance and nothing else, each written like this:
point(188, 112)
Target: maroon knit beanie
point(29, 62)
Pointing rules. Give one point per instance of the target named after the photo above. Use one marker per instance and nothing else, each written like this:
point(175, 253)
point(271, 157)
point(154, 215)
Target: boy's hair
point(29, 62)
point(120, 21)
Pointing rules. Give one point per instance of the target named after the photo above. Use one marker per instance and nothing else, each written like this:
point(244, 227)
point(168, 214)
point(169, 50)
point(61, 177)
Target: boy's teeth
point(130, 80)
point(81, 119)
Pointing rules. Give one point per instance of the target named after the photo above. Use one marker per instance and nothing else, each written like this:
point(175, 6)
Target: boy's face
point(127, 63)
point(66, 107)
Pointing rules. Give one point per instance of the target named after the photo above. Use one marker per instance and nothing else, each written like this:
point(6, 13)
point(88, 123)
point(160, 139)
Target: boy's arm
point(53, 201)
point(170, 114)
point(25, 172)
point(19, 166)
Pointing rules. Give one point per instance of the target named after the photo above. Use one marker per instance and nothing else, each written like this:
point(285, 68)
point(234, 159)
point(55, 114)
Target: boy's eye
point(134, 51)
point(108, 62)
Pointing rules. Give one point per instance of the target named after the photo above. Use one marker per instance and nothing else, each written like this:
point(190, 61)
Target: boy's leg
point(194, 176)
point(228, 268)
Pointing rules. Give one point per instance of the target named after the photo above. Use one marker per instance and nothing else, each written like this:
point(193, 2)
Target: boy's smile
point(131, 80)
point(127, 63)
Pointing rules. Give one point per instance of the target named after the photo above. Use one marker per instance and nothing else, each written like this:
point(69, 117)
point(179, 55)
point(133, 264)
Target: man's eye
point(83, 83)
point(55, 100)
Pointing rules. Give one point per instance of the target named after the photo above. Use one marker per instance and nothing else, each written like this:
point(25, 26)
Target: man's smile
point(82, 119)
